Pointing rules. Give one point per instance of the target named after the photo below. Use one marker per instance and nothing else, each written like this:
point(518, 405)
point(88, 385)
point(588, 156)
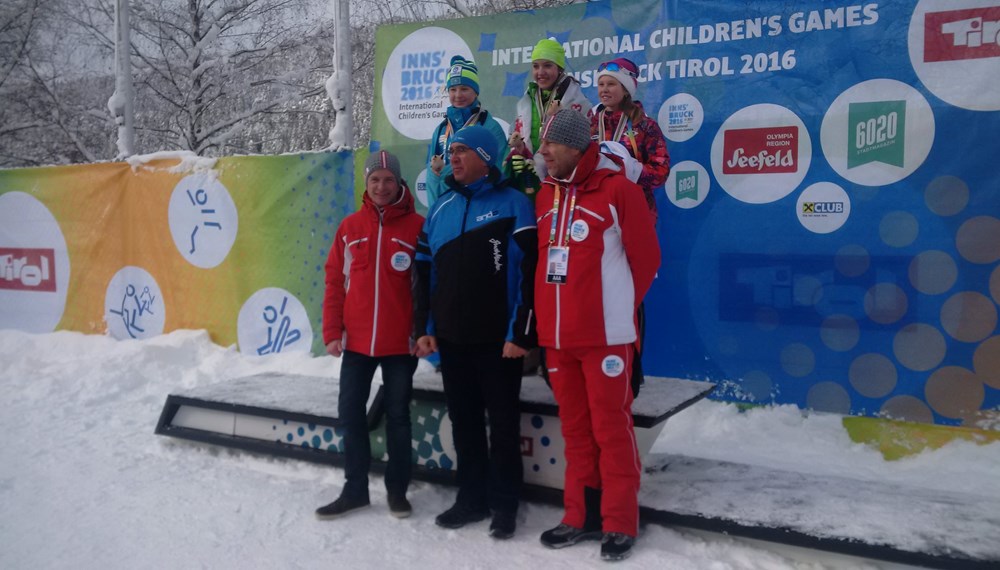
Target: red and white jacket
point(613, 256)
point(369, 273)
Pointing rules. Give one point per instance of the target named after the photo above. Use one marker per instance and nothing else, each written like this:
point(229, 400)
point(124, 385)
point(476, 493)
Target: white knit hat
point(624, 71)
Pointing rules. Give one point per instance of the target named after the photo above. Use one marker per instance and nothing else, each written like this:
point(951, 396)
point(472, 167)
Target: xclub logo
point(822, 208)
point(962, 34)
point(23, 269)
point(770, 150)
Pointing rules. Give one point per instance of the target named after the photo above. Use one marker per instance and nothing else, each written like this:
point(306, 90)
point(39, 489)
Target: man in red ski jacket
point(598, 254)
point(367, 320)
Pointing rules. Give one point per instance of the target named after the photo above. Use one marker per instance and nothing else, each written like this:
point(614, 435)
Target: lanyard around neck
point(541, 105)
point(448, 131)
point(555, 215)
point(624, 128)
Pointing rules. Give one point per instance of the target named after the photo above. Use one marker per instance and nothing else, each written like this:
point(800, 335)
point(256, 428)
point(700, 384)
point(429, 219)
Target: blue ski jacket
point(476, 260)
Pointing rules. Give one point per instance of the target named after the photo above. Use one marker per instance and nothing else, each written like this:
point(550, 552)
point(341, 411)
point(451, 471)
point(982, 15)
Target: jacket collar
point(458, 117)
point(584, 168)
point(402, 206)
point(488, 182)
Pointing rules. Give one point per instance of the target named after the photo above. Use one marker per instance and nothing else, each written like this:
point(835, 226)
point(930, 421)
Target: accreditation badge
point(557, 265)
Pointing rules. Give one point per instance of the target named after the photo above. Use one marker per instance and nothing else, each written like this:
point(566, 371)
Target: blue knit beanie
point(479, 139)
point(463, 72)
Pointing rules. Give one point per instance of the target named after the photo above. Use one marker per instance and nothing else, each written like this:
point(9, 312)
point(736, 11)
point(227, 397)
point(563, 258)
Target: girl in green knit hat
point(549, 90)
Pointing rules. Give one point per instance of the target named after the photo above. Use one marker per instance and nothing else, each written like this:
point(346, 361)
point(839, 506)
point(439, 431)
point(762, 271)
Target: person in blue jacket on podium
point(474, 304)
point(466, 110)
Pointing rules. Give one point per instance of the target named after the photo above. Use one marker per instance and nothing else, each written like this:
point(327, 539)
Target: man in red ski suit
point(598, 254)
point(367, 319)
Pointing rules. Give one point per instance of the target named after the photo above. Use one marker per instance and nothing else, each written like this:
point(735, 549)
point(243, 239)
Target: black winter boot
point(342, 506)
point(565, 535)
point(460, 515)
point(616, 546)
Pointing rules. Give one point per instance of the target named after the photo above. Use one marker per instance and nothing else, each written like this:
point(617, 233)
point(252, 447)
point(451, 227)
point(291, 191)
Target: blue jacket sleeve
point(423, 278)
point(524, 259)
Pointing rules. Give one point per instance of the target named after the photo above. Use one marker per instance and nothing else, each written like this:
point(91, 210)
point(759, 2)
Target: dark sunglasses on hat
point(614, 66)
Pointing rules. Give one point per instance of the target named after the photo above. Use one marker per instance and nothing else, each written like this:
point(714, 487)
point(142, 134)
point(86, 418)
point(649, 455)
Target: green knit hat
point(551, 50)
point(463, 72)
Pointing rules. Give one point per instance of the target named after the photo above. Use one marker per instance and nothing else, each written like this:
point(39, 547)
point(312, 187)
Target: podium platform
point(295, 416)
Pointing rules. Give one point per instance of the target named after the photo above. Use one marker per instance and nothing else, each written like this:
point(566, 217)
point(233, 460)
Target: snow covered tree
point(48, 109)
point(200, 65)
point(216, 77)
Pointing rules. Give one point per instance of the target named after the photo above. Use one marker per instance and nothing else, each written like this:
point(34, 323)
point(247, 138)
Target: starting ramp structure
point(295, 416)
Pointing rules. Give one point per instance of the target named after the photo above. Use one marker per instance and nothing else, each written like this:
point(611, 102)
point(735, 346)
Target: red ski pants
point(592, 388)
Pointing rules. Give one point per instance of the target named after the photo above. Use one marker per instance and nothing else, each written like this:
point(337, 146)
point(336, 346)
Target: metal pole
point(339, 84)
point(121, 103)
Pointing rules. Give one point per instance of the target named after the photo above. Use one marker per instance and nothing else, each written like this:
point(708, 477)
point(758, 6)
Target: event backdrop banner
point(831, 224)
point(237, 249)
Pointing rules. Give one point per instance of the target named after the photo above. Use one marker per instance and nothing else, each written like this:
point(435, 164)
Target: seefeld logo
point(769, 150)
point(23, 269)
point(876, 133)
point(962, 34)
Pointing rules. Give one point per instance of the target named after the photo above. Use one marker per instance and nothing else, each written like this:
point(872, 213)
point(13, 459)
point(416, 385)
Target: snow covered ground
point(84, 482)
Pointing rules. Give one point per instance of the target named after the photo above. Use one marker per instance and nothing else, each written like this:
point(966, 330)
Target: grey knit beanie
point(568, 127)
point(383, 160)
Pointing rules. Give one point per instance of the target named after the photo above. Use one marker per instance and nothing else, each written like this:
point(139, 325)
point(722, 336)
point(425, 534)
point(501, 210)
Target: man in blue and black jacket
point(474, 303)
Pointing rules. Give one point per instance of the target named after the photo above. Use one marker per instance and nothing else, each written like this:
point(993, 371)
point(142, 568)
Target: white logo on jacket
point(488, 215)
point(497, 256)
point(400, 261)
point(579, 230)
point(612, 365)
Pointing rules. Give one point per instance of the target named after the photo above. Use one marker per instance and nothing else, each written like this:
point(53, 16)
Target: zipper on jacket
point(461, 241)
point(562, 218)
point(378, 268)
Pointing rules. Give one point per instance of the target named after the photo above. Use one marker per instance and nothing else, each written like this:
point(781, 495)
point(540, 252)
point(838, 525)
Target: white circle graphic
point(401, 261)
point(203, 220)
point(579, 230)
point(680, 117)
point(954, 48)
point(421, 187)
point(271, 321)
point(761, 153)
point(133, 305)
point(823, 207)
point(877, 132)
point(688, 184)
point(413, 83)
point(612, 365)
point(34, 265)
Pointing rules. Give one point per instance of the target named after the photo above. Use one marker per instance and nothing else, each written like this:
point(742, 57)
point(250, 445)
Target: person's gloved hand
point(520, 163)
point(437, 164)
